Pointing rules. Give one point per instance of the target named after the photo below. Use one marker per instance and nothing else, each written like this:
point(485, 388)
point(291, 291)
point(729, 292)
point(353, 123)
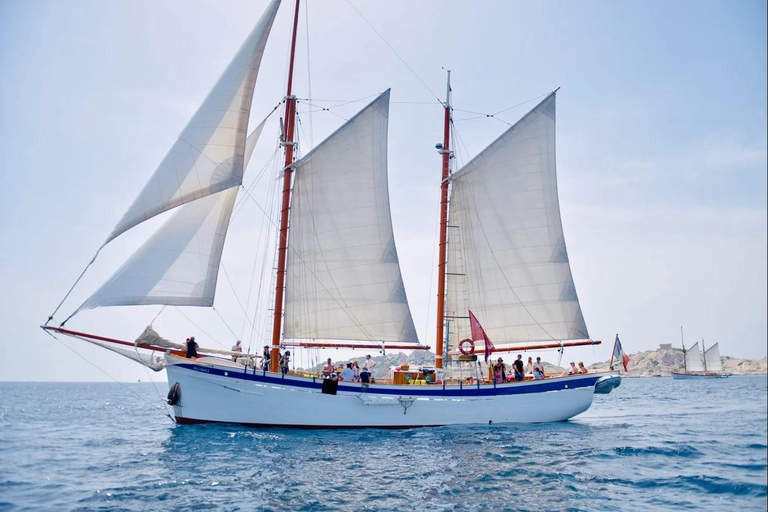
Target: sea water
point(651, 444)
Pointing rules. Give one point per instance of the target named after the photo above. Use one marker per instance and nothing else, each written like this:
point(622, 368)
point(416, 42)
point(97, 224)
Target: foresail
point(712, 357)
point(693, 361)
point(507, 260)
point(208, 155)
point(343, 279)
point(179, 265)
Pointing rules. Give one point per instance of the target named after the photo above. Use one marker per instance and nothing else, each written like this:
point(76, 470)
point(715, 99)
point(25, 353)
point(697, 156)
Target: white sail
point(693, 360)
point(208, 156)
point(507, 260)
point(343, 278)
point(179, 265)
point(712, 357)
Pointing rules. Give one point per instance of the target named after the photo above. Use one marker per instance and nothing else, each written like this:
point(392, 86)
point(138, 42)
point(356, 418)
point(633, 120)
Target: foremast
point(445, 152)
point(288, 142)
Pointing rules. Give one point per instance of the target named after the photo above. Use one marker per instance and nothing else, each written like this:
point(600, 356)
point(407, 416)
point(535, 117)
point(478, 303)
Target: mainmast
point(704, 355)
point(682, 342)
point(446, 154)
point(288, 128)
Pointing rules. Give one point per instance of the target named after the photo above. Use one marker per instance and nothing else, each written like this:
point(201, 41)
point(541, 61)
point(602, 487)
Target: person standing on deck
point(529, 367)
point(191, 348)
point(265, 358)
point(519, 371)
point(285, 361)
point(367, 374)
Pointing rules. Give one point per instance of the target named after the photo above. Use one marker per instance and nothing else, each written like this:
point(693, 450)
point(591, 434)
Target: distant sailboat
point(696, 366)
point(338, 282)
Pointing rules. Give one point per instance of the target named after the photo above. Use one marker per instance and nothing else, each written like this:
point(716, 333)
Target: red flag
point(479, 334)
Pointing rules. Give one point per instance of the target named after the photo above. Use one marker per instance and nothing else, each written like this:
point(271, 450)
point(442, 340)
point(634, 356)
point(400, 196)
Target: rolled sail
point(208, 156)
point(179, 265)
point(507, 259)
point(712, 357)
point(693, 361)
point(343, 278)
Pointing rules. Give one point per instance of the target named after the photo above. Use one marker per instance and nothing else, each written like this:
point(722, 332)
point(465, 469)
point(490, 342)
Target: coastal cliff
point(662, 362)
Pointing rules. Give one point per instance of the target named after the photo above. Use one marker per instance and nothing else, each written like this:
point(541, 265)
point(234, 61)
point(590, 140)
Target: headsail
point(179, 265)
point(208, 156)
point(693, 361)
point(343, 274)
point(712, 358)
point(507, 260)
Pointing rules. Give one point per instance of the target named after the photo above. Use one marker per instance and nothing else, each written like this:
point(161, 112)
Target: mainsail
point(343, 274)
point(507, 260)
point(208, 156)
point(693, 361)
point(712, 358)
point(179, 264)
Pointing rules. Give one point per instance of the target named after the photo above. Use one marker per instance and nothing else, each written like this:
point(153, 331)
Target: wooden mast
point(446, 154)
point(288, 128)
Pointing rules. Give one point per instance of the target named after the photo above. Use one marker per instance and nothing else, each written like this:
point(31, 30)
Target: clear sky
point(661, 150)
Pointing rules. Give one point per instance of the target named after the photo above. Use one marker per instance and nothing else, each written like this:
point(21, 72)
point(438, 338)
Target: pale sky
point(661, 151)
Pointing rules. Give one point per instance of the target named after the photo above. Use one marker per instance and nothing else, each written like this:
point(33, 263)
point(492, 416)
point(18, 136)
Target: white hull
point(213, 393)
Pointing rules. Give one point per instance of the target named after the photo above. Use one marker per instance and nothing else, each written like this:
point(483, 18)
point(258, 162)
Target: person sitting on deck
point(572, 370)
point(529, 367)
point(582, 368)
point(237, 347)
point(538, 369)
point(192, 347)
point(327, 370)
point(348, 374)
point(518, 367)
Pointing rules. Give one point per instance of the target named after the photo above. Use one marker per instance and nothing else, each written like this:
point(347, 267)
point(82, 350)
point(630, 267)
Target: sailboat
point(337, 282)
point(695, 366)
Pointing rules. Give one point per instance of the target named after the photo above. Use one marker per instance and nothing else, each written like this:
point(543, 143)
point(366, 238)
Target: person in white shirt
point(368, 366)
point(348, 375)
point(237, 347)
point(538, 369)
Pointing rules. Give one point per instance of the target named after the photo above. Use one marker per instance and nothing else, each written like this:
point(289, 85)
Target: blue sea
point(651, 444)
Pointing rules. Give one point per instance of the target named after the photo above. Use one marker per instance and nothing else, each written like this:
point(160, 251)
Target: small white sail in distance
point(693, 361)
point(712, 358)
point(179, 264)
point(343, 273)
point(208, 155)
point(507, 259)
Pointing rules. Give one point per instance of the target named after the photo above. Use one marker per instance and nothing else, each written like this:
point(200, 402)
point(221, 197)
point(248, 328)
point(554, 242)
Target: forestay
point(343, 278)
point(208, 156)
point(179, 265)
point(693, 361)
point(507, 260)
point(712, 358)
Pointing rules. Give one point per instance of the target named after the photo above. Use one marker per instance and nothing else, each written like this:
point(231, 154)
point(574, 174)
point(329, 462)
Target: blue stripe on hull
point(433, 390)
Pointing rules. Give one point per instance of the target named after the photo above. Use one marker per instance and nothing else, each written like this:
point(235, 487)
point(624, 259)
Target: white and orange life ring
point(463, 346)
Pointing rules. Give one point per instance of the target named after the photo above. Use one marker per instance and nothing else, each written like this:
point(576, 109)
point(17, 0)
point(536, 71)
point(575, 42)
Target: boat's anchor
point(406, 403)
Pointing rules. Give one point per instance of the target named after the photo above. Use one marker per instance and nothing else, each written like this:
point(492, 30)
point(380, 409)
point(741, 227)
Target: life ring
point(463, 349)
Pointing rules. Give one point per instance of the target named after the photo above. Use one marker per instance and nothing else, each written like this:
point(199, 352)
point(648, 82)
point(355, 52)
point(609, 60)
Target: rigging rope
point(395, 52)
point(70, 291)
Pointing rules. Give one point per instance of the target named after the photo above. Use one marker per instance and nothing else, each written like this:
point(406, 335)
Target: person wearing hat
point(191, 347)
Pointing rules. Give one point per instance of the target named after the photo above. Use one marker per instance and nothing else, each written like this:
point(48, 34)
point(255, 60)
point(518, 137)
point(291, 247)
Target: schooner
point(337, 281)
